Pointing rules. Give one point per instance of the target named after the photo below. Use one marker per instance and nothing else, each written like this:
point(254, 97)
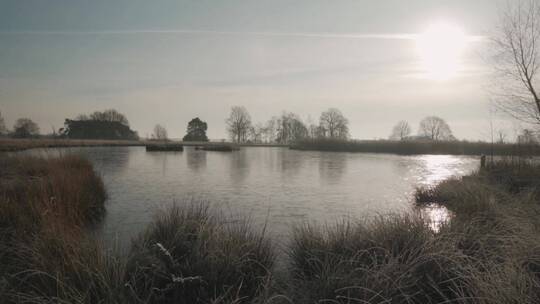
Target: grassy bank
point(11, 145)
point(487, 252)
point(418, 147)
point(187, 255)
point(45, 205)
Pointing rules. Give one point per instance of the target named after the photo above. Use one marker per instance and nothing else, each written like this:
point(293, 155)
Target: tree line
point(285, 128)
point(23, 128)
point(431, 128)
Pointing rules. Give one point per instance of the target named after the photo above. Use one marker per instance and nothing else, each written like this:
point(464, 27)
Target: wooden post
point(482, 162)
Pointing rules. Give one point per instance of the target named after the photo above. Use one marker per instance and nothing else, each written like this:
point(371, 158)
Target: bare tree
point(516, 61)
point(435, 128)
point(270, 130)
point(314, 130)
point(527, 137)
point(333, 124)
point(160, 133)
point(290, 128)
point(256, 133)
point(25, 127)
point(82, 117)
point(501, 136)
point(401, 131)
point(238, 124)
point(108, 115)
point(3, 129)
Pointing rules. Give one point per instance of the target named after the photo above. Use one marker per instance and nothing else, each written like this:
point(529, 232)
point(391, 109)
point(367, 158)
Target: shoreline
point(352, 146)
point(16, 145)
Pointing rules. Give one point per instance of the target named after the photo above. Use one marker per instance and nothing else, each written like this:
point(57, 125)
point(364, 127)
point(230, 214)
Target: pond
point(274, 186)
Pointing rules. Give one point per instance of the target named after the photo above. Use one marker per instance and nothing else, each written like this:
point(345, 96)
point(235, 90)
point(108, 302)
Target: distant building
point(97, 129)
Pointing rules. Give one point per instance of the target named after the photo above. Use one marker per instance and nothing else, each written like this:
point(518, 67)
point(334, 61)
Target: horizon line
point(375, 36)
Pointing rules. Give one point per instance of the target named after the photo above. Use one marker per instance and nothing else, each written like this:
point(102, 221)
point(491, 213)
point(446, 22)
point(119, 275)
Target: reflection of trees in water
point(332, 166)
point(161, 158)
point(290, 162)
point(107, 159)
point(239, 165)
point(196, 159)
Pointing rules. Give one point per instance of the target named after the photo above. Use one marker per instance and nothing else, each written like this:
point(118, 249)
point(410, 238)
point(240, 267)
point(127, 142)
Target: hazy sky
point(169, 61)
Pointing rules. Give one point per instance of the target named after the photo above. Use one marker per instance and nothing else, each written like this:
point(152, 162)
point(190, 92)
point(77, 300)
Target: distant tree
point(314, 130)
point(527, 137)
point(333, 124)
point(401, 131)
point(290, 128)
point(238, 124)
point(501, 136)
point(3, 129)
point(24, 128)
point(435, 128)
point(97, 129)
point(256, 133)
point(160, 133)
point(270, 130)
point(196, 130)
point(82, 117)
point(108, 115)
point(516, 60)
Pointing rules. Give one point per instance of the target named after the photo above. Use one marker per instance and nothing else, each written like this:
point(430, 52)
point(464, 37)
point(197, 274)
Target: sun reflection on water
point(437, 168)
point(436, 215)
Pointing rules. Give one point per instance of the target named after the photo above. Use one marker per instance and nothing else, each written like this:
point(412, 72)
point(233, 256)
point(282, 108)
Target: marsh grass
point(496, 225)
point(191, 255)
point(11, 144)
point(45, 205)
point(392, 259)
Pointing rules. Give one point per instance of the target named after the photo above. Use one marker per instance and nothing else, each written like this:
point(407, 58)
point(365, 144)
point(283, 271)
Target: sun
point(441, 47)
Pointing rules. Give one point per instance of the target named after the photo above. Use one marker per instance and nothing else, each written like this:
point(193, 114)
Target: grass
point(45, 205)
point(395, 259)
point(187, 255)
point(11, 145)
point(417, 147)
point(488, 252)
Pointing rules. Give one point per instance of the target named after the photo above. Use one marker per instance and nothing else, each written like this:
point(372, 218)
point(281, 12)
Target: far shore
point(356, 146)
point(14, 145)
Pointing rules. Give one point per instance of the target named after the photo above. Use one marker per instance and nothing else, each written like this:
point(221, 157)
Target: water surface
point(277, 186)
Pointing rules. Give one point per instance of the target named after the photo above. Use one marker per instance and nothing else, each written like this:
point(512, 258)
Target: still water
point(276, 186)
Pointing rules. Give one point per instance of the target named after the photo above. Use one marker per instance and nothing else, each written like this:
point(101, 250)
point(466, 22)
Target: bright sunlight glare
point(440, 48)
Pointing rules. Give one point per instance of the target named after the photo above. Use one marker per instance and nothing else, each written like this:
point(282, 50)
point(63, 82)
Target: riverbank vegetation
point(187, 255)
point(45, 205)
point(11, 145)
point(488, 250)
point(412, 147)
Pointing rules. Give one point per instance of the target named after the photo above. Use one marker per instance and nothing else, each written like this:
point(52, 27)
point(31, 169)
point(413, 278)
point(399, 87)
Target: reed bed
point(11, 144)
point(45, 205)
point(187, 255)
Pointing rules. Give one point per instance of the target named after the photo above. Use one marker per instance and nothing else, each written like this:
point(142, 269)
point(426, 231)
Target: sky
point(166, 62)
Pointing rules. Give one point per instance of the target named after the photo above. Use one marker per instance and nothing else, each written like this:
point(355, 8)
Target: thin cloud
point(209, 32)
